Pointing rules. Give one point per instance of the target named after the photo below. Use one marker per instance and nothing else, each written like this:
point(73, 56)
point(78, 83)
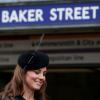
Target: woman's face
point(34, 79)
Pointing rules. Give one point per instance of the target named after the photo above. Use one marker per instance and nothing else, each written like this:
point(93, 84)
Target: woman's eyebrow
point(41, 70)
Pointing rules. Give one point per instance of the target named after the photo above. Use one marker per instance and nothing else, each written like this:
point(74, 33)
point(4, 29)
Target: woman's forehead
point(42, 69)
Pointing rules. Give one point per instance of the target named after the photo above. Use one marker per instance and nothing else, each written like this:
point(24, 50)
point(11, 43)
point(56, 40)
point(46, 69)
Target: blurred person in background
point(7, 1)
point(29, 80)
point(33, 0)
point(11, 1)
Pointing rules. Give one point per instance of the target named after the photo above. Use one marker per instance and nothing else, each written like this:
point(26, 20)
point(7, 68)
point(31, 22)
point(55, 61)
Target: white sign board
point(20, 45)
point(63, 58)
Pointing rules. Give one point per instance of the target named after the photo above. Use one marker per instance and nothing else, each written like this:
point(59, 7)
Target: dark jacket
point(17, 98)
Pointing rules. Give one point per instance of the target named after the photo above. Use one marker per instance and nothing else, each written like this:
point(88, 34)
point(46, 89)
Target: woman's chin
point(37, 87)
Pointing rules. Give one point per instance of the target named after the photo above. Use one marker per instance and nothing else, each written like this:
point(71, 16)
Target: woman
point(28, 81)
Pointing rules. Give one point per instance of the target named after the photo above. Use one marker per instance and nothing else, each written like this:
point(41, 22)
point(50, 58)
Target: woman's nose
point(41, 76)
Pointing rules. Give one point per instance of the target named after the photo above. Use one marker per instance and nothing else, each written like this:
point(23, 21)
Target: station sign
point(51, 44)
point(49, 15)
point(57, 59)
point(64, 51)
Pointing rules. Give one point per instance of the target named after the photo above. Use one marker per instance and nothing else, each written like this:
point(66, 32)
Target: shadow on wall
point(73, 86)
point(4, 78)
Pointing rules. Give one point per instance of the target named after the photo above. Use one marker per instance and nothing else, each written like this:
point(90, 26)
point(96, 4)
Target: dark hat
point(33, 60)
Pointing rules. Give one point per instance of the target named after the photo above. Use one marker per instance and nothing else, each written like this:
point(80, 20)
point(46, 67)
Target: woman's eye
point(44, 74)
point(37, 72)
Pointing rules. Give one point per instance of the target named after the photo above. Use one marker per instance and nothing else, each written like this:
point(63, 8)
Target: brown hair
point(15, 86)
